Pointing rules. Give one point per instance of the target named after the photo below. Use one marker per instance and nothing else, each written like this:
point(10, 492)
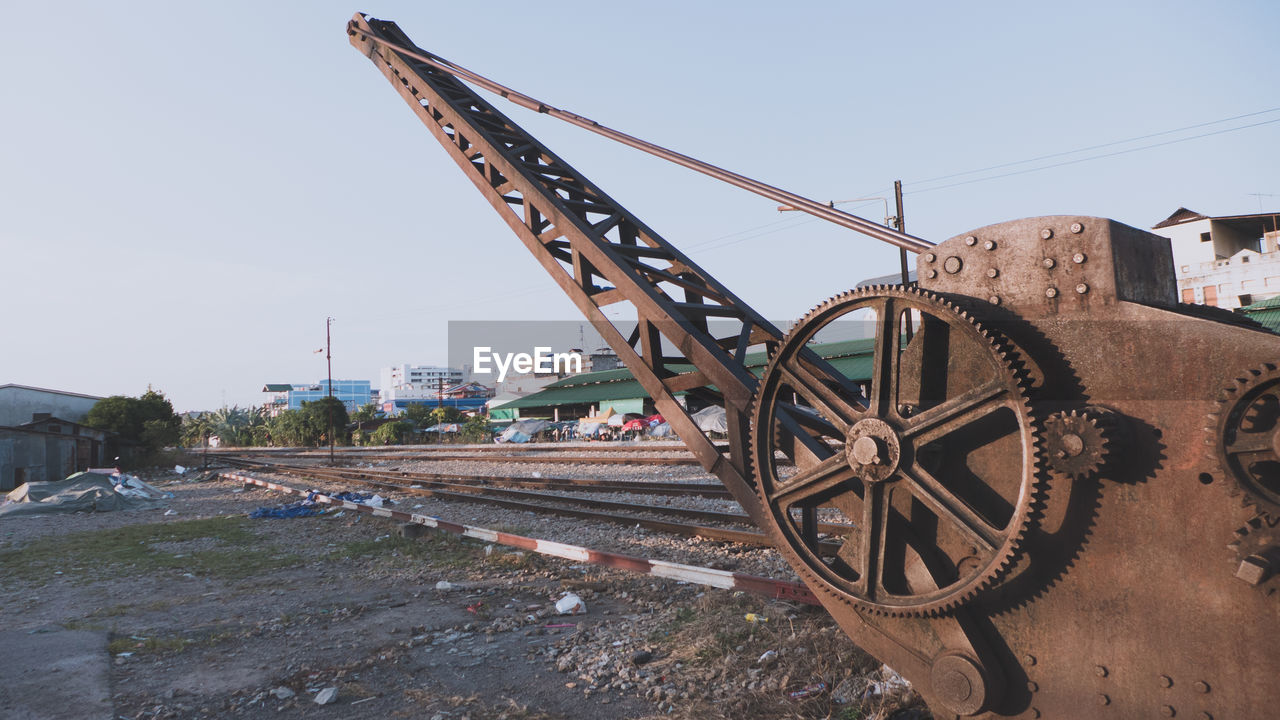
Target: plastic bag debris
point(326, 696)
point(768, 658)
point(570, 604)
point(890, 683)
point(807, 691)
point(126, 484)
point(445, 585)
point(179, 469)
point(302, 508)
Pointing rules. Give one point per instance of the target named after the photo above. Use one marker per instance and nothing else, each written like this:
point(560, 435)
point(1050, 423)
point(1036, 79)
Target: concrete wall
point(35, 457)
point(18, 404)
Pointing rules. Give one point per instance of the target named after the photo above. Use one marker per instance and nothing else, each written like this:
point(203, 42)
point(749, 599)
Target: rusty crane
point(1062, 485)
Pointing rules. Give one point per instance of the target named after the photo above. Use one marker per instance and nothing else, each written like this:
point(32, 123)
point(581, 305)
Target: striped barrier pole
point(723, 579)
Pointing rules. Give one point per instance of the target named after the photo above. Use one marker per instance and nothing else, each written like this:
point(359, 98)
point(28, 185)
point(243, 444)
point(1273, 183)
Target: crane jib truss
point(600, 255)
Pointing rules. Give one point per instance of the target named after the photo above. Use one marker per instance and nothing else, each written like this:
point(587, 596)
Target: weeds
point(132, 548)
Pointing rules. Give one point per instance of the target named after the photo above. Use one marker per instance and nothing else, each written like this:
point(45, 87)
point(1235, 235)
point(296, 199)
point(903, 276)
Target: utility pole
point(900, 224)
point(328, 358)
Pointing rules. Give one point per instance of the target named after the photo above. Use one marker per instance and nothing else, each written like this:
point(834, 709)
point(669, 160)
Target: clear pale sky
point(188, 189)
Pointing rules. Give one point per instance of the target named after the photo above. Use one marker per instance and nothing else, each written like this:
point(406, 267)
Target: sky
point(188, 190)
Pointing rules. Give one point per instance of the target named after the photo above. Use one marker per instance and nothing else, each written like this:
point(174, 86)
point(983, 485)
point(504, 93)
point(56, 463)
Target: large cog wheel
point(1246, 437)
point(931, 464)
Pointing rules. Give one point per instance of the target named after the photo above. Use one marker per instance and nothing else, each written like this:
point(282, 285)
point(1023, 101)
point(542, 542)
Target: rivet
point(1166, 681)
point(992, 272)
point(1028, 659)
point(1082, 288)
point(990, 244)
point(931, 273)
point(1051, 293)
point(1048, 263)
point(1103, 699)
point(1100, 671)
point(1046, 233)
point(1168, 711)
point(995, 300)
point(1077, 228)
point(1202, 686)
point(930, 257)
point(970, 240)
point(1079, 258)
point(1035, 712)
point(1206, 716)
point(952, 265)
point(1032, 686)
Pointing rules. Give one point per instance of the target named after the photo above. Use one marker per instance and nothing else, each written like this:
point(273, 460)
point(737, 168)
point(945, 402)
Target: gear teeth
point(1225, 422)
point(1033, 491)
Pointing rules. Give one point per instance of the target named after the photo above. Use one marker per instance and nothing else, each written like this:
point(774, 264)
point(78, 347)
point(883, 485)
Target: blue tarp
point(308, 507)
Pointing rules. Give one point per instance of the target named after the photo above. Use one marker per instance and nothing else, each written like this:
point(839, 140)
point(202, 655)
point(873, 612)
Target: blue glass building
point(352, 393)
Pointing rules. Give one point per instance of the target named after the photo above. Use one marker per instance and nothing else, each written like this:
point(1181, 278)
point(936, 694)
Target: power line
point(1092, 157)
point(1098, 147)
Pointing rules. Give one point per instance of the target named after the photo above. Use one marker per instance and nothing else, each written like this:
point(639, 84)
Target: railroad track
point(602, 447)
point(549, 457)
point(475, 489)
point(711, 577)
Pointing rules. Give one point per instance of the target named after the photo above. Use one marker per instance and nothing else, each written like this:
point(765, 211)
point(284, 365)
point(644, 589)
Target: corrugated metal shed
point(1266, 312)
point(851, 357)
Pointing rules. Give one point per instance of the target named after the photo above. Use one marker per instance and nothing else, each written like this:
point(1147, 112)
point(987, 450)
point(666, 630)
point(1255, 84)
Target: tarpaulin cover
point(711, 419)
point(661, 430)
point(521, 430)
point(82, 492)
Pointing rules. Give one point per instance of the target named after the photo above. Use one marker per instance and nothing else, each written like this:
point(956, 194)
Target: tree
point(195, 428)
point(147, 421)
point(365, 413)
point(290, 428)
point(476, 429)
point(446, 414)
point(419, 414)
point(316, 416)
point(396, 432)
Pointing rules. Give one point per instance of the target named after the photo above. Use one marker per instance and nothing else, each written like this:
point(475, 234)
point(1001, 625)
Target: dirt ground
point(195, 610)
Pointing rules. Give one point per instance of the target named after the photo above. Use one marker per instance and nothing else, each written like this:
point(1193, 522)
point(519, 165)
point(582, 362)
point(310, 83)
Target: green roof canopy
point(851, 357)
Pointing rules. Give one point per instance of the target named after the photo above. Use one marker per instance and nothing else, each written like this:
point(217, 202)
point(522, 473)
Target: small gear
point(1078, 443)
point(1257, 546)
point(1246, 437)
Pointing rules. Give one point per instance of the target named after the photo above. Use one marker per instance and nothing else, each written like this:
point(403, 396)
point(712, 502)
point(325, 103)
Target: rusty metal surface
point(1062, 486)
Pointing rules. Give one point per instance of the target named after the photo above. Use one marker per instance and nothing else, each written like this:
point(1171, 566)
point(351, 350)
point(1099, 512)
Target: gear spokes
point(1246, 437)
point(927, 454)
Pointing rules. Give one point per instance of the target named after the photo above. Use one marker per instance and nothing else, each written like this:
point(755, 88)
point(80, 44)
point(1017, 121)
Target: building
point(41, 435)
point(404, 381)
point(20, 403)
point(589, 394)
point(467, 397)
point(352, 393)
point(1228, 261)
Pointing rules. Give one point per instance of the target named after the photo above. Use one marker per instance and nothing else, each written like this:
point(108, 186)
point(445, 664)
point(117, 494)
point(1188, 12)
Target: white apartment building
point(1229, 261)
point(404, 382)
